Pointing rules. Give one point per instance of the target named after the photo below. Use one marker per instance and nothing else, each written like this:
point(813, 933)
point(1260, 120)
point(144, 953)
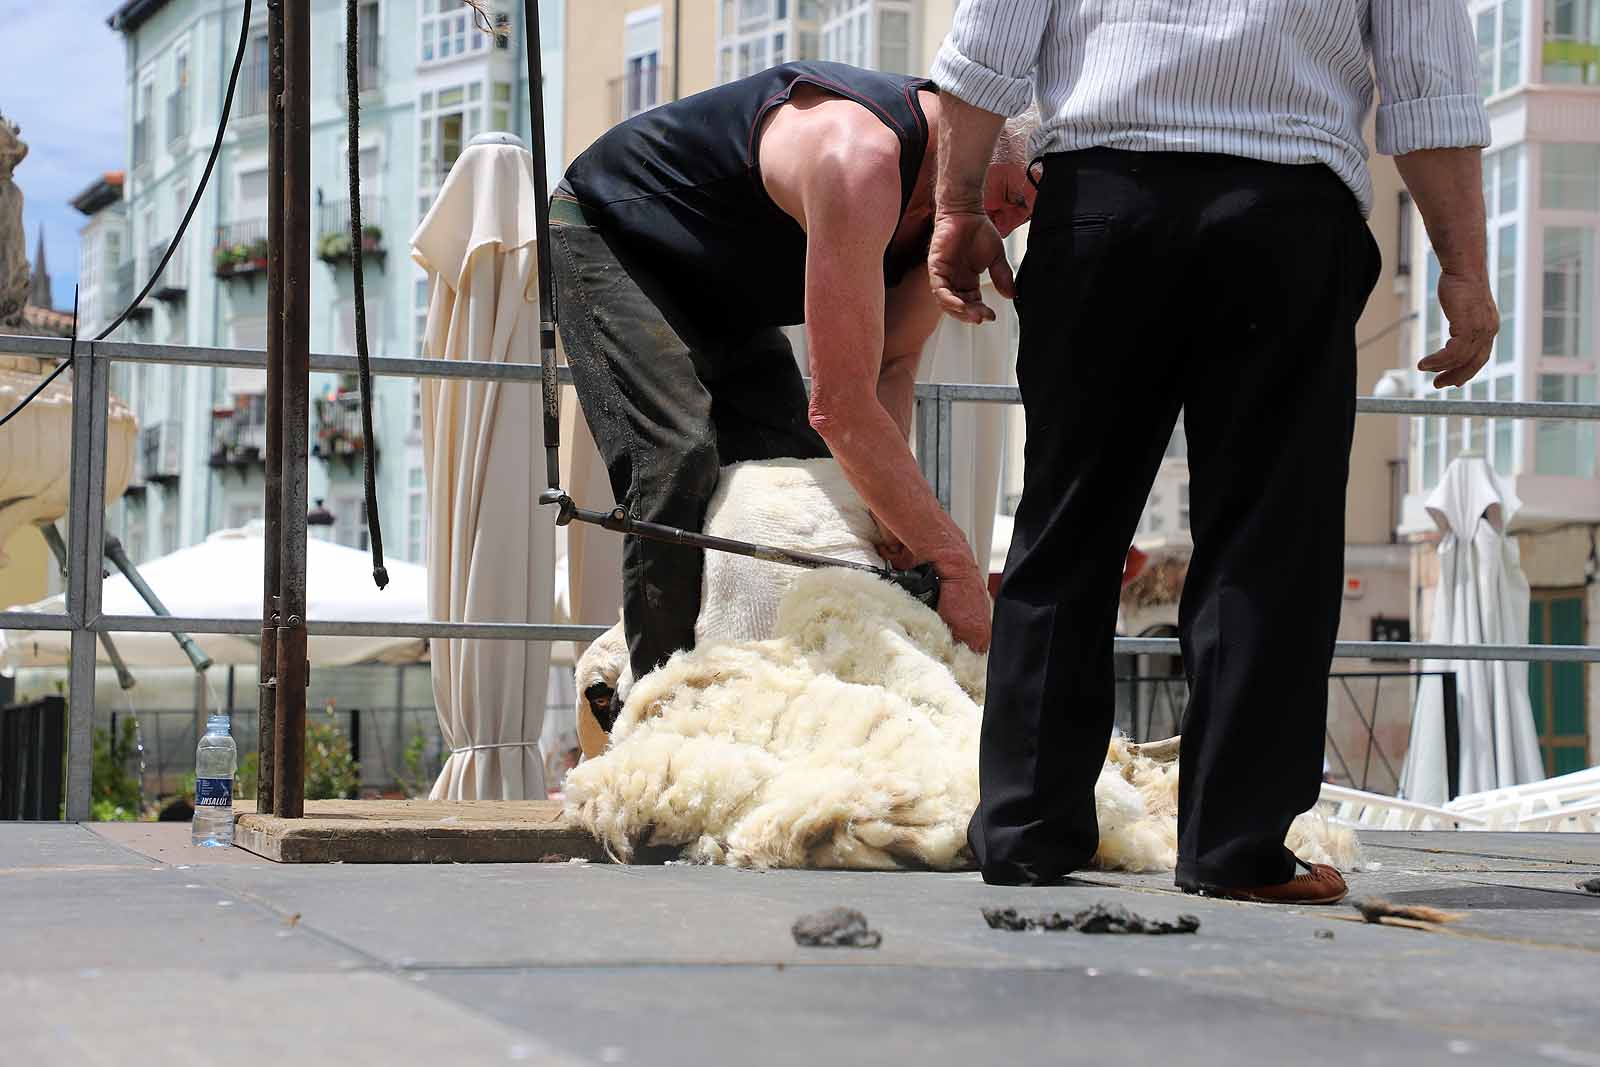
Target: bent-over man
point(682, 241)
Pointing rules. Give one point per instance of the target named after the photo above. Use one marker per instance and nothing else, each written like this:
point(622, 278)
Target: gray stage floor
point(124, 946)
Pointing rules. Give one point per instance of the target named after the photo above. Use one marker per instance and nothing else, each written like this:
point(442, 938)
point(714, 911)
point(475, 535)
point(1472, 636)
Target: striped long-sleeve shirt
point(1286, 81)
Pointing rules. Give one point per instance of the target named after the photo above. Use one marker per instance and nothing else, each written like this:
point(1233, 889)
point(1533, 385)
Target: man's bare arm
point(909, 319)
point(1447, 186)
point(851, 200)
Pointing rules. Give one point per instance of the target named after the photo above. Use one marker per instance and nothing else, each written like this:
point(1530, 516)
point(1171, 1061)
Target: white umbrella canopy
point(491, 550)
point(221, 578)
point(1482, 598)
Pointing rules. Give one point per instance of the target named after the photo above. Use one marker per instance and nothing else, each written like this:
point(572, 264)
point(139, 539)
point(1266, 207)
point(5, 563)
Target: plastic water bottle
point(214, 763)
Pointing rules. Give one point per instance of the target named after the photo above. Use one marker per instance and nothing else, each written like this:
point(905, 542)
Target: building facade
point(431, 78)
point(1539, 74)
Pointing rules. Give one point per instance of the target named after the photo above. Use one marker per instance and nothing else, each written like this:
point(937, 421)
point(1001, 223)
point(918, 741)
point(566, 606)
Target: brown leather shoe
point(1321, 884)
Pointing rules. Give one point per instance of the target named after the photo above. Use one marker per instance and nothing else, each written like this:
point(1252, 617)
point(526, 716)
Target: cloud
point(64, 84)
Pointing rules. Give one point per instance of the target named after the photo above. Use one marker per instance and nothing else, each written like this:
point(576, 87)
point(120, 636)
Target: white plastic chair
point(1533, 804)
point(1374, 811)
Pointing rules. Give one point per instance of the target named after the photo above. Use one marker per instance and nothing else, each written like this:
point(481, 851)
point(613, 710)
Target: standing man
point(1198, 245)
point(683, 239)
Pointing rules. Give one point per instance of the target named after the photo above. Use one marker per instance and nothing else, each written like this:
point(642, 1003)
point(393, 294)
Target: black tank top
point(680, 188)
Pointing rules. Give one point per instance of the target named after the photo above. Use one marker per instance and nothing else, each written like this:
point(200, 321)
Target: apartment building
point(1539, 73)
point(431, 78)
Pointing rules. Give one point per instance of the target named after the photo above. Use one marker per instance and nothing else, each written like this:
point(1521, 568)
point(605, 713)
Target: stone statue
point(14, 274)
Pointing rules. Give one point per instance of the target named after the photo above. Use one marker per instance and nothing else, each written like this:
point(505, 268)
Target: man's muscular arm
point(910, 316)
point(850, 198)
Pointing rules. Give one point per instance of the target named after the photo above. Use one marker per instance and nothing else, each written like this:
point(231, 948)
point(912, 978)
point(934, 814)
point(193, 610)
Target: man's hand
point(964, 604)
point(1474, 322)
point(964, 246)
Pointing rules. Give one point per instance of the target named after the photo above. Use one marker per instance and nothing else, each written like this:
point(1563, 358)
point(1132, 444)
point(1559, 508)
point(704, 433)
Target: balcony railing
point(252, 92)
point(141, 142)
point(333, 230)
point(177, 115)
point(637, 91)
point(239, 433)
point(339, 433)
point(173, 283)
point(368, 66)
point(241, 249)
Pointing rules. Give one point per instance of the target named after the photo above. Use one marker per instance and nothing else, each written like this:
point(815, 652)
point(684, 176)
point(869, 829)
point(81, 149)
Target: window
point(252, 200)
point(1565, 448)
point(1571, 179)
point(253, 79)
point(1433, 319)
point(1505, 429)
point(1505, 345)
point(350, 522)
point(178, 99)
point(416, 516)
point(753, 35)
point(1569, 285)
point(1572, 42)
point(448, 29)
point(641, 62)
point(1499, 30)
point(1431, 430)
point(143, 121)
point(416, 408)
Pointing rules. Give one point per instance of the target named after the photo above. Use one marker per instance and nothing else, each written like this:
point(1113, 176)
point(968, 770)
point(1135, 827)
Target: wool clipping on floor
point(846, 739)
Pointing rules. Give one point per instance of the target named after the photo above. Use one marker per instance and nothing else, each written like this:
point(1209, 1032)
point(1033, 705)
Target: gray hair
point(1016, 138)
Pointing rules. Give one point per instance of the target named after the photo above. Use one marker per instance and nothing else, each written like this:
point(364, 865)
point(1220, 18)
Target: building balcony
point(173, 285)
point(339, 435)
point(239, 434)
point(637, 91)
point(241, 249)
point(333, 230)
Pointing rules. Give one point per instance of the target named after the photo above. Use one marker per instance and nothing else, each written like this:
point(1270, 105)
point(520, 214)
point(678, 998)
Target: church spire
point(39, 287)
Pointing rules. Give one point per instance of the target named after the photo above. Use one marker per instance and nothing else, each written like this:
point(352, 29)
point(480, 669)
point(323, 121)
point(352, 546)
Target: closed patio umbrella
point(1482, 598)
point(491, 550)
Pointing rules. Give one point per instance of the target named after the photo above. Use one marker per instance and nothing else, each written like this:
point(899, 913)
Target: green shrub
point(113, 787)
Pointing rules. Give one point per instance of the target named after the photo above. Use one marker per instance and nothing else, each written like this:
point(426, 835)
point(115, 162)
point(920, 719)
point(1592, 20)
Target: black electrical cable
point(363, 368)
point(194, 203)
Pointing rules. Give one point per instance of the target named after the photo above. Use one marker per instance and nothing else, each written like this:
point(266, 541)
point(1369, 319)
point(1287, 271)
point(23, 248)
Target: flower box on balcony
point(334, 248)
point(232, 260)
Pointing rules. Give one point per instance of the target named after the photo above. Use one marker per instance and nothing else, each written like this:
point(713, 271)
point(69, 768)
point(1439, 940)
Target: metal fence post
point(85, 536)
point(925, 420)
point(945, 416)
point(1452, 733)
point(289, 725)
point(272, 493)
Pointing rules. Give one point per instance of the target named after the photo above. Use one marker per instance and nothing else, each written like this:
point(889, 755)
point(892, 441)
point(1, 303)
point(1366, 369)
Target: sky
point(62, 81)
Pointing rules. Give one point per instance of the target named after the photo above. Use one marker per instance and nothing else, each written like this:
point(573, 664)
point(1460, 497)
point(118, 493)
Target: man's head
point(1007, 192)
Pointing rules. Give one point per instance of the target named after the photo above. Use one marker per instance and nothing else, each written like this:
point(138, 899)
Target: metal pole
point(547, 296)
point(85, 527)
point(1452, 733)
point(290, 726)
point(116, 554)
point(272, 504)
point(58, 548)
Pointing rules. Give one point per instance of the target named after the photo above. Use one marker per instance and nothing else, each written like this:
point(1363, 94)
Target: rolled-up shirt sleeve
point(989, 57)
point(1426, 63)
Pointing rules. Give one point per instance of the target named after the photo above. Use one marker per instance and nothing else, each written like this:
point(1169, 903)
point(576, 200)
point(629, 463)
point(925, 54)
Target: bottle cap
point(217, 724)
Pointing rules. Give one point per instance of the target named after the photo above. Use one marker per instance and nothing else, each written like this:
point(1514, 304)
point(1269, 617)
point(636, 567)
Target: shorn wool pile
point(848, 738)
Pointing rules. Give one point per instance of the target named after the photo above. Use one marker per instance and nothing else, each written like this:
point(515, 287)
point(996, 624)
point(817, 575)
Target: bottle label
point(213, 792)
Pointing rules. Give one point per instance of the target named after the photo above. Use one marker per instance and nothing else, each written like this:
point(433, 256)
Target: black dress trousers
point(1227, 289)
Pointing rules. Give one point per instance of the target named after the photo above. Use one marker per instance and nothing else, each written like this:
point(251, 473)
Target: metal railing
point(239, 434)
point(333, 229)
point(85, 620)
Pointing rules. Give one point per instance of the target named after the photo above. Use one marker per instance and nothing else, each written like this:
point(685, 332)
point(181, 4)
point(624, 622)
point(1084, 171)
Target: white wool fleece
point(847, 738)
